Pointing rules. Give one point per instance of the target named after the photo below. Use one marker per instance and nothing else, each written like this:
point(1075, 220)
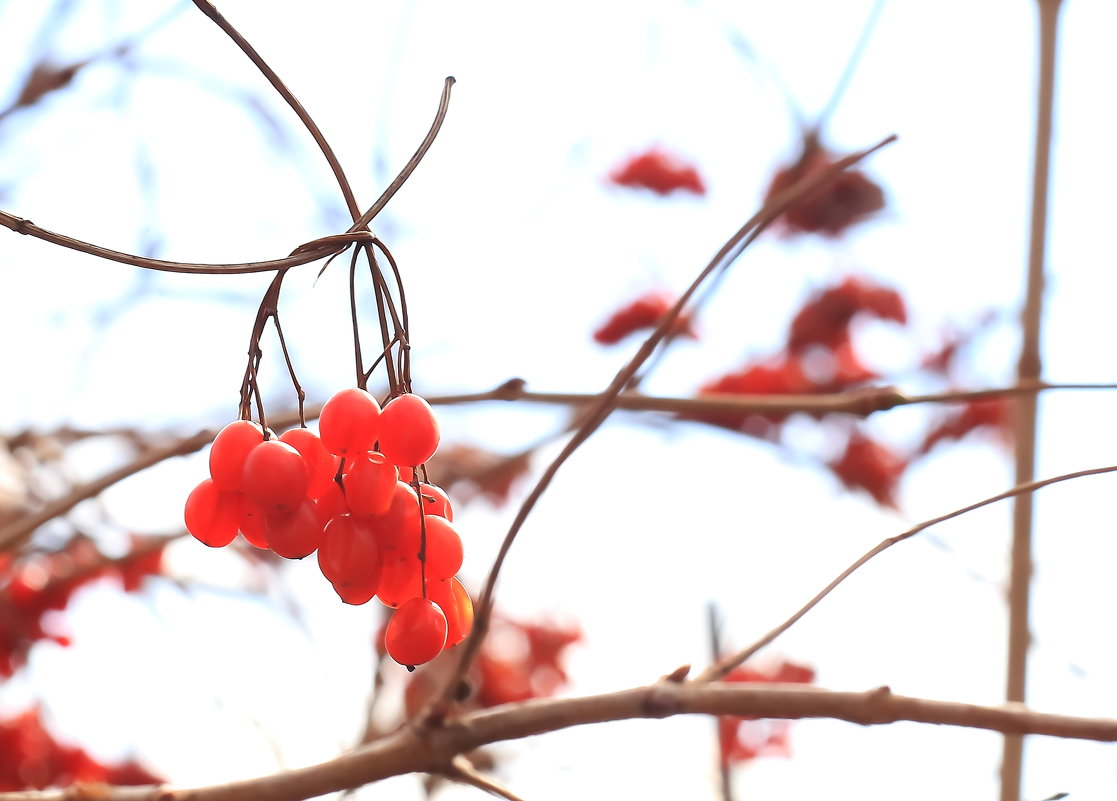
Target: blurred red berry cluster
point(519, 660)
point(846, 199)
point(820, 356)
point(659, 171)
point(30, 758)
point(642, 314)
point(33, 588)
point(741, 739)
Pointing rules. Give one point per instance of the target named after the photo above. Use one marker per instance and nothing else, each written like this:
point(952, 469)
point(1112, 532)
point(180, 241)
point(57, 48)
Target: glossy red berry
point(370, 484)
point(275, 477)
point(294, 534)
point(356, 594)
point(252, 523)
point(408, 430)
point(349, 554)
point(456, 604)
point(416, 633)
point(230, 448)
point(398, 529)
point(400, 580)
point(443, 548)
point(350, 422)
point(321, 465)
point(211, 515)
point(435, 501)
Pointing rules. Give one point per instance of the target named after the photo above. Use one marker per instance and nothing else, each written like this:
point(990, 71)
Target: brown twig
point(410, 750)
point(599, 410)
point(722, 667)
point(462, 770)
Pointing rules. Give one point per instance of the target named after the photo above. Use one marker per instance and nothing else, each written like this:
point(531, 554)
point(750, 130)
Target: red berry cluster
point(641, 314)
point(34, 589)
point(846, 199)
point(744, 739)
point(659, 171)
point(352, 494)
point(30, 758)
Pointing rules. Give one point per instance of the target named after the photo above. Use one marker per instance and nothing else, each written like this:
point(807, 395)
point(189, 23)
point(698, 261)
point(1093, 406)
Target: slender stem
point(405, 173)
point(721, 668)
point(847, 72)
point(218, 18)
point(1029, 369)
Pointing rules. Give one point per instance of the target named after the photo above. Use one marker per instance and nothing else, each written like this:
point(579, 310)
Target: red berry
point(356, 594)
point(252, 523)
point(275, 477)
point(230, 448)
point(398, 528)
point(321, 465)
point(400, 581)
point(435, 501)
point(370, 484)
point(416, 633)
point(294, 534)
point(408, 431)
point(211, 515)
point(456, 604)
point(444, 548)
point(349, 554)
point(350, 422)
point(331, 503)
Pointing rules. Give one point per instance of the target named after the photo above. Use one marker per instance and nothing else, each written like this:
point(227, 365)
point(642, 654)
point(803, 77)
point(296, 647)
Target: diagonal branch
point(722, 667)
point(599, 410)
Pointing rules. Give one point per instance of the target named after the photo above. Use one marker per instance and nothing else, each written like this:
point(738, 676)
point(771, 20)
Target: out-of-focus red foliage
point(642, 314)
point(33, 588)
point(846, 199)
point(990, 414)
point(531, 669)
point(825, 318)
point(815, 371)
point(30, 758)
point(518, 661)
point(469, 471)
point(779, 376)
point(870, 466)
point(741, 739)
point(659, 171)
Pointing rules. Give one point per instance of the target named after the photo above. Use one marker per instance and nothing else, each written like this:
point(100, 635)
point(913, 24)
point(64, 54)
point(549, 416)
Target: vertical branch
point(1029, 369)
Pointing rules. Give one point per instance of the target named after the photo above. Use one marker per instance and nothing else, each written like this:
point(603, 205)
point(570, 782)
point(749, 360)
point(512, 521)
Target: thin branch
point(1029, 369)
point(21, 226)
point(16, 533)
point(428, 750)
point(600, 409)
point(405, 173)
point(218, 18)
point(462, 770)
point(722, 667)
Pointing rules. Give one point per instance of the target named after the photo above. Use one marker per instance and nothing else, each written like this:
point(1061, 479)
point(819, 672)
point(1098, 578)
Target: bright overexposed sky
point(513, 248)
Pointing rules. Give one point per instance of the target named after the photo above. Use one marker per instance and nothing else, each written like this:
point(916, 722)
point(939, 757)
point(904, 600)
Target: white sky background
point(513, 249)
